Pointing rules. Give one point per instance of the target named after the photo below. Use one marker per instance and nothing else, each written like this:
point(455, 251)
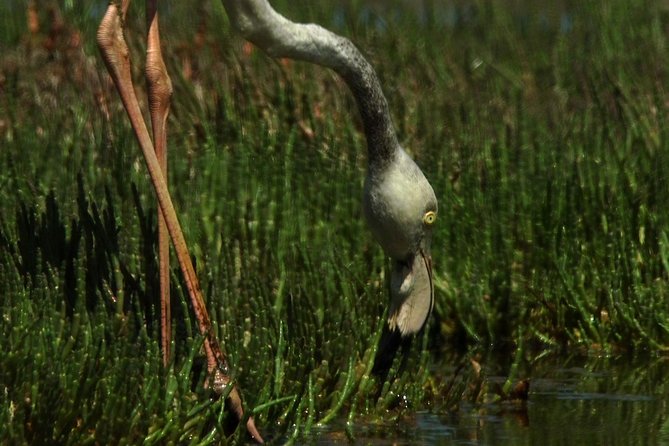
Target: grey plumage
point(400, 207)
point(399, 203)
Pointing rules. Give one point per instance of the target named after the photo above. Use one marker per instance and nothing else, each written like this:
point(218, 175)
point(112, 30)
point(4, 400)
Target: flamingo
point(399, 204)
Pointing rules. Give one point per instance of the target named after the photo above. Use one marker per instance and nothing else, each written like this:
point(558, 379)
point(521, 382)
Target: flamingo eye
point(429, 218)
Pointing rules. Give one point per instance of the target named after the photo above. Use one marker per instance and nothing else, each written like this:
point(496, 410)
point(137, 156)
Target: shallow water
point(600, 401)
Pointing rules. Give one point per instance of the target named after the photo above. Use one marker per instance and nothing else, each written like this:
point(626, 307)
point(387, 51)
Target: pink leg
point(160, 91)
point(117, 59)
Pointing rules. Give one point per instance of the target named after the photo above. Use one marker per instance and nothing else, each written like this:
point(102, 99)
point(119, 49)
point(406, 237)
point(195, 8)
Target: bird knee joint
point(159, 81)
point(110, 37)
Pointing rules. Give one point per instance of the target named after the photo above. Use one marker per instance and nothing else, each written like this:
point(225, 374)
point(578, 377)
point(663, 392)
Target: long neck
point(279, 37)
point(374, 113)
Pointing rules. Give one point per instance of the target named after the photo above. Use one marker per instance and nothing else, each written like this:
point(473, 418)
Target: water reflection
point(597, 401)
point(603, 401)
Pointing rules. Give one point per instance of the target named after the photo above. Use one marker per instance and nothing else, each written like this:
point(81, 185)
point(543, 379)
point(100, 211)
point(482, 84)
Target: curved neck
point(372, 104)
point(279, 37)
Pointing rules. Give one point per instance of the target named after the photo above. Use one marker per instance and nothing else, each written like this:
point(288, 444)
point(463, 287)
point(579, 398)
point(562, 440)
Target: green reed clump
point(543, 132)
point(549, 154)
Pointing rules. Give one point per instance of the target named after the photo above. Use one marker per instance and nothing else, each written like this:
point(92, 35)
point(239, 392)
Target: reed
point(543, 131)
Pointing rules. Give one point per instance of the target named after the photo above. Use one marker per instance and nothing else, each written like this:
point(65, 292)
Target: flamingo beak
point(411, 293)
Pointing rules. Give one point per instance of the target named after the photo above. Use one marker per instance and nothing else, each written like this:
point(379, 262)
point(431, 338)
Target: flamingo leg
point(159, 92)
point(116, 55)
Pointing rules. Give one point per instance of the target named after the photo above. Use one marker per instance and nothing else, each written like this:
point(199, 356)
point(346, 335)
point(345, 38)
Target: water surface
point(589, 401)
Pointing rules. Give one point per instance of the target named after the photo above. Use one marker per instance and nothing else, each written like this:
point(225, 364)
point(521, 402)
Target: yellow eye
point(429, 217)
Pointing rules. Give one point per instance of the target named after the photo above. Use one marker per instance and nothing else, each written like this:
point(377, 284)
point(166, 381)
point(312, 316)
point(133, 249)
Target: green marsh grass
point(543, 131)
